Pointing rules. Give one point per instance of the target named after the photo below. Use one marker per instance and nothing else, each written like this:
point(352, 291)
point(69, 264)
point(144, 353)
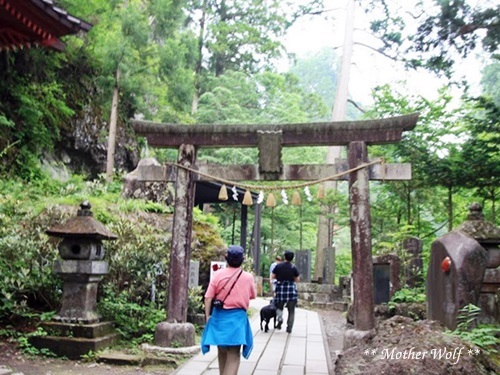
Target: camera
point(217, 303)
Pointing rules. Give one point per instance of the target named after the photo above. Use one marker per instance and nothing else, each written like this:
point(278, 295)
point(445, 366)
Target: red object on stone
point(445, 264)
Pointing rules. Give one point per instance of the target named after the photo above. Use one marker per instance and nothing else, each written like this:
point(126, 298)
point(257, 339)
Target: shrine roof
point(27, 23)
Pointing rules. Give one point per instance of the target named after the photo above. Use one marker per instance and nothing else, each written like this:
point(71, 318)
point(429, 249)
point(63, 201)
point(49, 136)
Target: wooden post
point(244, 226)
point(182, 226)
point(256, 239)
point(359, 196)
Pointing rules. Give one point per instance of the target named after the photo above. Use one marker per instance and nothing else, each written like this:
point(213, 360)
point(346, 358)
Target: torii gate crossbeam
point(312, 134)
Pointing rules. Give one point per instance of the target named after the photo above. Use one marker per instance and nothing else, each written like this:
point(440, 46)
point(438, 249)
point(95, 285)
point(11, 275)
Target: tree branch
point(356, 105)
point(395, 58)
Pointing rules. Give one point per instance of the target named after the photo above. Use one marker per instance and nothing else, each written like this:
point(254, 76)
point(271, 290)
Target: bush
point(133, 293)
point(135, 322)
point(409, 295)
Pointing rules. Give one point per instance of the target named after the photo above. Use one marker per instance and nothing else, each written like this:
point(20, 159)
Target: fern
point(485, 336)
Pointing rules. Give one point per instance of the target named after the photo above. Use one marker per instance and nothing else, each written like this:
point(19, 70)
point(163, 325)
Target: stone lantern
point(82, 266)
point(76, 329)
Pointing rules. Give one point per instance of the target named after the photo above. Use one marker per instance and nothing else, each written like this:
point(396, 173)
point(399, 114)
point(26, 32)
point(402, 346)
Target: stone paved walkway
point(303, 352)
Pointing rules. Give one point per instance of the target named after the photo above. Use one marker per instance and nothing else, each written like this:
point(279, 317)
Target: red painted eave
point(27, 23)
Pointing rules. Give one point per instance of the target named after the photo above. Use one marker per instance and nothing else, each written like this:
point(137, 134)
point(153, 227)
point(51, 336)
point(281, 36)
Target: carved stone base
point(75, 340)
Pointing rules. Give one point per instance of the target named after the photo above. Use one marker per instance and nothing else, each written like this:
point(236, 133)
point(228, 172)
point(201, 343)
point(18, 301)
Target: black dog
point(266, 314)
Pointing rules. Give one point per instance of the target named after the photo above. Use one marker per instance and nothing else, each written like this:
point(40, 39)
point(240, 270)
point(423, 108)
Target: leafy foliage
point(406, 295)
point(133, 293)
point(485, 336)
point(32, 108)
point(481, 150)
point(135, 321)
point(445, 31)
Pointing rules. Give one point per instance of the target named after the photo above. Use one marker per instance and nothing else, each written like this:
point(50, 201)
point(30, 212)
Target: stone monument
point(386, 277)
point(464, 269)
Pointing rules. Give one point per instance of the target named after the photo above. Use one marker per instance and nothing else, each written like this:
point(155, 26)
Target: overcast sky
point(369, 68)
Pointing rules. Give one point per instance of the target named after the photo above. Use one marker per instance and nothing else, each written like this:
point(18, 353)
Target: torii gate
point(356, 135)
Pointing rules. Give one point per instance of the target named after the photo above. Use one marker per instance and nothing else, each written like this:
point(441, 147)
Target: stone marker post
point(329, 271)
point(303, 264)
point(194, 273)
point(414, 266)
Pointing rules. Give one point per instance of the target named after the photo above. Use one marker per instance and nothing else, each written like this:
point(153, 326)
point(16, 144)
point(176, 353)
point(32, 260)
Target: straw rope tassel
point(296, 198)
point(223, 193)
point(247, 199)
point(271, 202)
point(321, 191)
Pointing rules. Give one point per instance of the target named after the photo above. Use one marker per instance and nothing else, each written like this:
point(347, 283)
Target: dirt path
point(11, 358)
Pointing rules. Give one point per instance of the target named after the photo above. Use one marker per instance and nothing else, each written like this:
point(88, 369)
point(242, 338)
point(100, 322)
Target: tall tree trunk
point(199, 62)
point(324, 238)
point(110, 163)
point(408, 205)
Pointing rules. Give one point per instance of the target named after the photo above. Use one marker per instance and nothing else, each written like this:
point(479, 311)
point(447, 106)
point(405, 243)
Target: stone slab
point(73, 347)
point(88, 331)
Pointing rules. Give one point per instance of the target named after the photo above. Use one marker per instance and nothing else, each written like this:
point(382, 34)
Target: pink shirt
point(242, 293)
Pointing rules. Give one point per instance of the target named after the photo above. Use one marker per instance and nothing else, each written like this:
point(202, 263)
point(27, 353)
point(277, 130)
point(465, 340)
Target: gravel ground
point(334, 325)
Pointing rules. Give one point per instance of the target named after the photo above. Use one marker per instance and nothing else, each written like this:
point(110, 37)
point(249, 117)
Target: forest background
point(216, 61)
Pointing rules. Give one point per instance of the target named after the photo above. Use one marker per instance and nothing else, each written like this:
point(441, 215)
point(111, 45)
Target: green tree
point(481, 151)
point(490, 82)
point(318, 74)
point(446, 30)
point(431, 148)
point(239, 36)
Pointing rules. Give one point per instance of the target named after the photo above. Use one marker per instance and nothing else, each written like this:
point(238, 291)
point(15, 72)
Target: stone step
point(5, 371)
point(118, 358)
point(144, 359)
point(316, 297)
point(340, 305)
point(335, 305)
point(73, 347)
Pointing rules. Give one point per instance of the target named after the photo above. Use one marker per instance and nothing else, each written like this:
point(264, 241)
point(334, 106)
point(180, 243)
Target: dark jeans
point(290, 305)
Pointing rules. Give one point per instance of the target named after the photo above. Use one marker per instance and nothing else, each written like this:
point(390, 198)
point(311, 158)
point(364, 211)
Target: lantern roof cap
point(478, 228)
point(83, 225)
